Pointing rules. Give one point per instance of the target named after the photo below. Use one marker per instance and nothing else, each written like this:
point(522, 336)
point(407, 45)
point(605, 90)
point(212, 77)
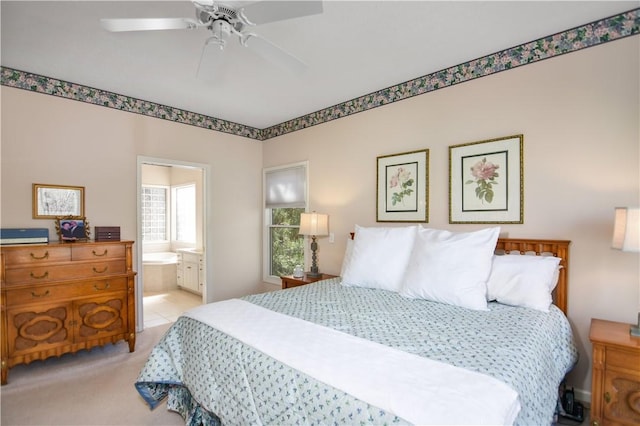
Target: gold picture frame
point(72, 228)
point(486, 181)
point(402, 187)
point(53, 201)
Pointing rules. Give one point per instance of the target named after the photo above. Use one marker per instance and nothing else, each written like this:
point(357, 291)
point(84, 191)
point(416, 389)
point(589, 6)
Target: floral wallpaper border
point(589, 35)
point(52, 86)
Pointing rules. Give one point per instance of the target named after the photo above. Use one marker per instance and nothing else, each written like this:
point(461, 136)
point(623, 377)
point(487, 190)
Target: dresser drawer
point(33, 255)
point(98, 252)
point(621, 359)
point(69, 271)
point(52, 292)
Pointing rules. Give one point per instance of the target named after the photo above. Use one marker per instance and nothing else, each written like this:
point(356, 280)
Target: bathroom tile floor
point(163, 308)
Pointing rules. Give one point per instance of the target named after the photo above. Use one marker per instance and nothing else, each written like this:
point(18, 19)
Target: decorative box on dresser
point(615, 386)
point(64, 297)
point(289, 281)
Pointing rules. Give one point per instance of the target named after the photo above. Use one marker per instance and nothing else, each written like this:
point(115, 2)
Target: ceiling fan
point(225, 20)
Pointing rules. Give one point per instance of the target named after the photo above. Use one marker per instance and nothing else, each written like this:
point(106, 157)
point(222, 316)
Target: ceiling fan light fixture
point(221, 43)
point(221, 29)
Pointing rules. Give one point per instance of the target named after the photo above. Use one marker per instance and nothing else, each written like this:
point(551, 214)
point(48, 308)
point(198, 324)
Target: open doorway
point(171, 249)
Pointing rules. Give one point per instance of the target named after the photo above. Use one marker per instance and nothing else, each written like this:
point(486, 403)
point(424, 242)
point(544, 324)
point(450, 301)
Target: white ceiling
point(353, 48)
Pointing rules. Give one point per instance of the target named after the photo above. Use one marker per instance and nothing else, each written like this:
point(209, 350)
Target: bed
point(335, 353)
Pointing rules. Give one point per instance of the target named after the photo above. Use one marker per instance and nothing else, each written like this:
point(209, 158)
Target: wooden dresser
point(615, 386)
point(63, 297)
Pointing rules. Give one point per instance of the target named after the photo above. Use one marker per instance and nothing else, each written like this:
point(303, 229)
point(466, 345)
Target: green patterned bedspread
point(210, 377)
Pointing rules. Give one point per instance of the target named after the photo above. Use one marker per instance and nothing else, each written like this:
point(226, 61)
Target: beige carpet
point(89, 388)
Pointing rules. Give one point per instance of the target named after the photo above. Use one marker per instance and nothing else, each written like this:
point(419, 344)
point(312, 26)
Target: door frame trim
point(207, 239)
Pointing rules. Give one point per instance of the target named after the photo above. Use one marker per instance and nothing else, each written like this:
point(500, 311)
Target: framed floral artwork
point(486, 181)
point(403, 187)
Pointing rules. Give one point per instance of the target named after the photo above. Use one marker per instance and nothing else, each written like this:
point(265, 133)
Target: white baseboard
point(583, 396)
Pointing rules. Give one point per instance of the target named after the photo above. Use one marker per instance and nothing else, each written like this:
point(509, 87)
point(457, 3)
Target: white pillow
point(347, 256)
point(379, 257)
point(522, 280)
point(451, 268)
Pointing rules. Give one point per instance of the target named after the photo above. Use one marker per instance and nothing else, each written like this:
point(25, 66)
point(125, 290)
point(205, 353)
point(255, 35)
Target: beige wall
point(50, 140)
point(579, 115)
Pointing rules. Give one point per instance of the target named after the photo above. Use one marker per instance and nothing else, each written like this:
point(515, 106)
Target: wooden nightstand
point(615, 385)
point(289, 281)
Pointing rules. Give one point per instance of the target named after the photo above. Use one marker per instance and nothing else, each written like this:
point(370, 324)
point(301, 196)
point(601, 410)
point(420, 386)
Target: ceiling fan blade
point(211, 59)
point(273, 53)
point(148, 24)
point(271, 11)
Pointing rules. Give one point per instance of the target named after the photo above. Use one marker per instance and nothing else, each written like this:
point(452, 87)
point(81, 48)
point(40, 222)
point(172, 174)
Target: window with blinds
point(285, 198)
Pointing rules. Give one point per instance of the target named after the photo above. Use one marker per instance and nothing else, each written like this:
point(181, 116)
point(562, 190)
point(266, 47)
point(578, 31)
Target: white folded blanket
point(417, 389)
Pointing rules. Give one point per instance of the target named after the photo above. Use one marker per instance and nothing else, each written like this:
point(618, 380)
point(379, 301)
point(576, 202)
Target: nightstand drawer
point(621, 399)
point(615, 374)
point(289, 281)
point(622, 359)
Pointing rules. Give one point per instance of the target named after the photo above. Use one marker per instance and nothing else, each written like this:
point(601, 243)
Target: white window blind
point(285, 188)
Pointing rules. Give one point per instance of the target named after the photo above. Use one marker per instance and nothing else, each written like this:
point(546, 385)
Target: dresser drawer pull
point(107, 285)
point(99, 255)
point(44, 256)
point(607, 397)
point(39, 277)
point(45, 294)
point(100, 272)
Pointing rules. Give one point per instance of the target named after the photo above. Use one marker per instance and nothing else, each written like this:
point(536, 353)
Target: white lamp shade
point(316, 224)
point(626, 230)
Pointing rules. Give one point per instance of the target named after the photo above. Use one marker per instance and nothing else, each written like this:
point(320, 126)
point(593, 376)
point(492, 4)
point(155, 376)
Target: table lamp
point(626, 237)
point(314, 225)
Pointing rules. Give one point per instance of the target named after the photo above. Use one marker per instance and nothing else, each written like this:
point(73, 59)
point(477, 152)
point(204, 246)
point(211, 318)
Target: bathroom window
point(184, 212)
point(169, 213)
point(154, 213)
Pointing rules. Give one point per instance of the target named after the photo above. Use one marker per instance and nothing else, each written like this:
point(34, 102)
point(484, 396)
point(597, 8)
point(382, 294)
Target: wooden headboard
point(557, 248)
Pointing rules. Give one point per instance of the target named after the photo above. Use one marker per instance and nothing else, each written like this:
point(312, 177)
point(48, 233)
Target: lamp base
point(313, 272)
point(635, 329)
